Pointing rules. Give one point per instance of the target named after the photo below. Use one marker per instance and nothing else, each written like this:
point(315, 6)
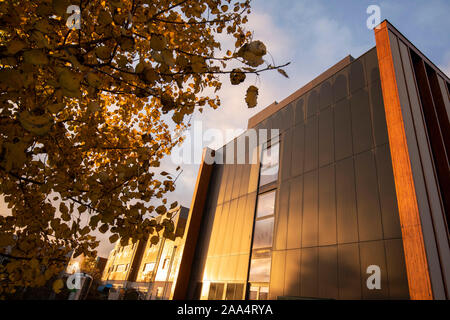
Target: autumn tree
point(85, 109)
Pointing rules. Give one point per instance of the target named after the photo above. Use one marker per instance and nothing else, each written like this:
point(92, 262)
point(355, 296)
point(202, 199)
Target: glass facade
point(320, 207)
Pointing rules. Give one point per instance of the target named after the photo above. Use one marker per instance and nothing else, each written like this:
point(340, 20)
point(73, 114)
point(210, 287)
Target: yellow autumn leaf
point(93, 106)
point(150, 75)
point(103, 228)
point(69, 80)
point(103, 52)
point(157, 42)
point(168, 59)
point(57, 285)
point(281, 71)
point(251, 96)
point(6, 240)
point(104, 18)
point(113, 238)
point(237, 76)
point(15, 46)
point(198, 64)
point(55, 108)
point(39, 125)
point(93, 80)
point(35, 56)
point(154, 240)
point(63, 208)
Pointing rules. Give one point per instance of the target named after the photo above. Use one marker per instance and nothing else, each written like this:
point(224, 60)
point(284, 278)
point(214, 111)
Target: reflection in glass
point(263, 293)
point(260, 270)
point(266, 204)
point(269, 164)
point(253, 293)
point(270, 156)
point(268, 175)
point(230, 291)
point(216, 291)
point(263, 235)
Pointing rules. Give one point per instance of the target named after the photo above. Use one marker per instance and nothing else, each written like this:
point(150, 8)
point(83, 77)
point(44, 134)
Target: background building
point(148, 269)
point(358, 177)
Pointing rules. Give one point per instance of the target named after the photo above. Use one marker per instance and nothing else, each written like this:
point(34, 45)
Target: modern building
point(353, 189)
point(150, 269)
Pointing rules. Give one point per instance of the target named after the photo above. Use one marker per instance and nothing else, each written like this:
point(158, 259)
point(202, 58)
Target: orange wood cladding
point(413, 243)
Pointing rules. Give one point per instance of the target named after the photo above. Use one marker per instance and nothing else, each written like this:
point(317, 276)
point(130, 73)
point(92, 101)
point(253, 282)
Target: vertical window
point(230, 291)
point(216, 291)
point(212, 291)
point(263, 233)
point(253, 293)
point(261, 255)
point(269, 164)
point(263, 293)
point(260, 266)
point(266, 204)
point(259, 292)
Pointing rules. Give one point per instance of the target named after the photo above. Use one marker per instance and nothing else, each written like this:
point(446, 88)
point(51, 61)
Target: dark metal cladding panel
point(277, 121)
point(326, 139)
point(349, 273)
point(369, 215)
point(309, 273)
point(326, 95)
point(238, 226)
point(230, 181)
point(277, 274)
point(248, 223)
point(343, 146)
point(396, 269)
point(294, 235)
point(327, 206)
point(340, 85)
point(281, 217)
point(328, 273)
point(388, 199)
point(287, 117)
point(229, 228)
point(292, 273)
point(357, 77)
point(378, 116)
point(311, 144)
point(361, 121)
point(371, 66)
point(286, 155)
point(223, 182)
point(298, 150)
point(221, 225)
point(216, 217)
point(237, 181)
point(246, 168)
point(299, 110)
point(313, 103)
point(347, 220)
point(310, 210)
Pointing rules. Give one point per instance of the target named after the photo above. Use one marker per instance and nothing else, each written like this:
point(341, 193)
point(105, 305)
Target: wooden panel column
point(413, 243)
